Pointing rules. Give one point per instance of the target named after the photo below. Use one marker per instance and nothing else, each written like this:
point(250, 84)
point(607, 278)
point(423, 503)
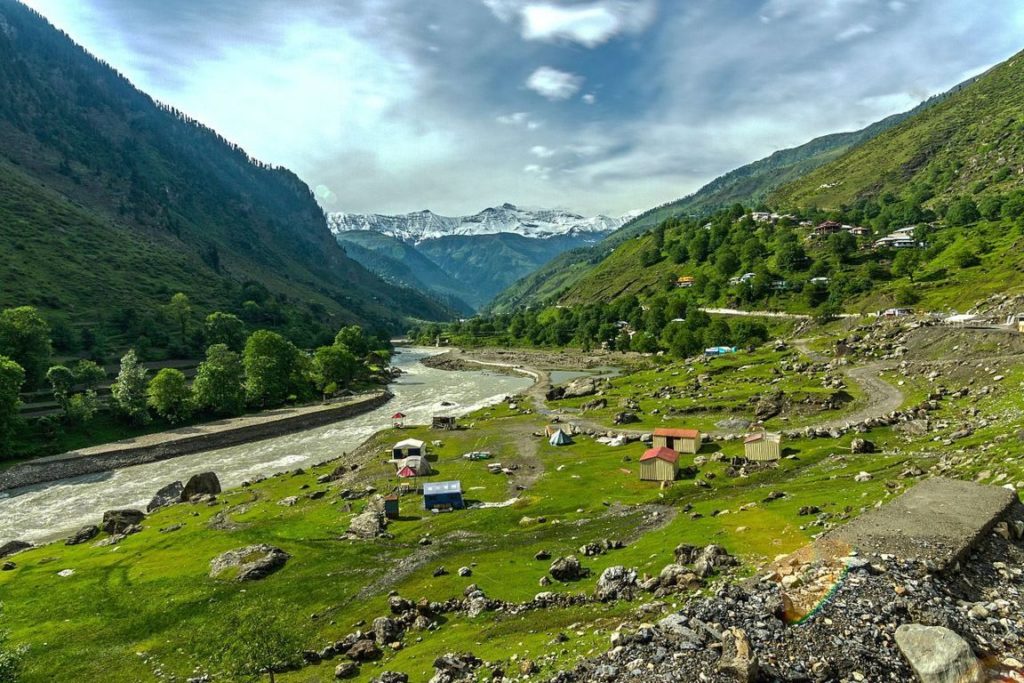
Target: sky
point(598, 106)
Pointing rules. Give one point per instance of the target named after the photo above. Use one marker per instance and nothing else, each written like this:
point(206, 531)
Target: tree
point(906, 262)
point(25, 339)
point(271, 364)
point(965, 258)
point(62, 379)
point(88, 374)
point(180, 310)
point(226, 329)
point(353, 339)
point(962, 212)
point(10, 657)
point(168, 394)
point(843, 245)
point(256, 641)
point(129, 390)
point(12, 377)
point(334, 365)
point(219, 385)
point(82, 408)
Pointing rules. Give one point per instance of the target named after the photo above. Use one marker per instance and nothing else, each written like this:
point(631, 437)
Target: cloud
point(554, 84)
point(542, 172)
point(855, 31)
point(519, 118)
point(588, 24)
point(542, 152)
point(590, 98)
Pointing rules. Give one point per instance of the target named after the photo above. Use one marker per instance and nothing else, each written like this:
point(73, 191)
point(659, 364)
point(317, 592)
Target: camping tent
point(559, 438)
point(404, 449)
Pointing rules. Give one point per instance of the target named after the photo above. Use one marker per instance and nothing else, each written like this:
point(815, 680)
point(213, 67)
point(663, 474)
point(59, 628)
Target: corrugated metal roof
point(436, 487)
point(666, 454)
point(677, 433)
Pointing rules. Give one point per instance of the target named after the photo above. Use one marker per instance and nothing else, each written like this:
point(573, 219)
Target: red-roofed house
point(762, 447)
point(659, 464)
point(681, 440)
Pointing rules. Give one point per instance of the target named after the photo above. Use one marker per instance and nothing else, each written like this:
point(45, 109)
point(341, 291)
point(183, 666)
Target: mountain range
point(466, 260)
point(111, 202)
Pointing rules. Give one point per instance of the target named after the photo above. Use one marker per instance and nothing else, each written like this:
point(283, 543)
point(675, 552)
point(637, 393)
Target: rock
point(938, 655)
point(363, 651)
point(625, 418)
point(440, 571)
point(615, 583)
point(542, 555)
point(206, 483)
point(862, 477)
point(117, 521)
point(8, 566)
point(567, 568)
point(738, 659)
point(808, 510)
point(386, 630)
point(398, 605)
point(371, 522)
point(83, 535)
point(288, 502)
point(252, 562)
point(584, 386)
point(769, 406)
point(391, 677)
point(346, 670)
point(453, 668)
point(465, 571)
point(168, 495)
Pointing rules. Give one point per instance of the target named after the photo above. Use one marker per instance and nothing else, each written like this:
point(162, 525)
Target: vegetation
point(12, 377)
point(169, 396)
point(129, 390)
point(10, 657)
point(219, 386)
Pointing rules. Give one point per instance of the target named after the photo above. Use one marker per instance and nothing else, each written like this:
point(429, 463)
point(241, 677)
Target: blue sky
point(594, 105)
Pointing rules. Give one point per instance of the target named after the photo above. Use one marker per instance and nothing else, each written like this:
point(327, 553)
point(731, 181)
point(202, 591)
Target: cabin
point(899, 239)
point(896, 312)
point(762, 447)
point(398, 420)
point(685, 281)
point(860, 231)
point(407, 448)
point(443, 495)
point(713, 351)
point(391, 506)
point(827, 228)
point(679, 440)
point(443, 422)
point(659, 464)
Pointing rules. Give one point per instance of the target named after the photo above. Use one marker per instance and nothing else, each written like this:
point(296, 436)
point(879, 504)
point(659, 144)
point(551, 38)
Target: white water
point(45, 511)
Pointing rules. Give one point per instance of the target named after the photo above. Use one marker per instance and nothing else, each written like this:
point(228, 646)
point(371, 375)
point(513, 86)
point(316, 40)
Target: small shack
point(443, 495)
point(391, 506)
point(713, 351)
point(443, 422)
point(762, 447)
point(398, 420)
point(659, 464)
point(559, 438)
point(679, 440)
point(407, 448)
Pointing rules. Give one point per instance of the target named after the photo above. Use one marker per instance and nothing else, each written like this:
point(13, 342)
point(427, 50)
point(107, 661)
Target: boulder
point(83, 535)
point(346, 670)
point(738, 659)
point(12, 547)
point(371, 522)
point(363, 651)
point(615, 583)
point(567, 568)
point(862, 446)
point(453, 668)
point(252, 562)
point(168, 495)
point(584, 386)
point(625, 418)
point(386, 630)
point(8, 566)
point(206, 483)
point(119, 521)
point(391, 677)
point(938, 655)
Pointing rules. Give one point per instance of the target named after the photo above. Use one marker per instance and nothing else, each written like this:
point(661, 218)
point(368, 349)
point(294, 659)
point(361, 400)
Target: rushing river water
point(45, 511)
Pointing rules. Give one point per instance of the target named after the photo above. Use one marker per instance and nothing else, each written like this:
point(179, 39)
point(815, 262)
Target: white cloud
point(590, 98)
point(542, 152)
point(519, 118)
point(542, 172)
point(855, 31)
point(554, 84)
point(589, 24)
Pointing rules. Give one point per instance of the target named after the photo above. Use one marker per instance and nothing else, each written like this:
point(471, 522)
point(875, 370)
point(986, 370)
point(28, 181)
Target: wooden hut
point(659, 464)
point(443, 495)
point(762, 447)
point(679, 440)
point(443, 422)
point(391, 506)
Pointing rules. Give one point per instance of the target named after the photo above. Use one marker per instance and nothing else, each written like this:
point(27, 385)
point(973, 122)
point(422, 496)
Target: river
point(45, 511)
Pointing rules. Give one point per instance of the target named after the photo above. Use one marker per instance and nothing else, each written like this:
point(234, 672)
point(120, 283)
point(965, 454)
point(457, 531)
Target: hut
point(443, 422)
point(398, 420)
point(408, 447)
point(559, 438)
point(659, 464)
point(443, 495)
point(762, 447)
point(679, 440)
point(391, 506)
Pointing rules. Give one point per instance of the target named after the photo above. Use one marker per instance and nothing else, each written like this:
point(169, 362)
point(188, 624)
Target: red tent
point(406, 472)
point(397, 416)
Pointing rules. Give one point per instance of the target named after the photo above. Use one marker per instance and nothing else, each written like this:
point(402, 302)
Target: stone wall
point(75, 465)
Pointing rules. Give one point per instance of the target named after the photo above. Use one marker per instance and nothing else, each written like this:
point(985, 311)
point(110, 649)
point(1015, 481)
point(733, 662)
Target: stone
point(363, 651)
point(371, 522)
point(118, 521)
point(452, 667)
point(584, 386)
point(738, 658)
point(83, 535)
point(288, 502)
point(8, 566)
point(465, 571)
point(12, 547)
point(386, 630)
point(567, 568)
point(205, 483)
point(168, 495)
point(253, 562)
point(391, 677)
point(860, 445)
point(346, 670)
point(616, 582)
point(938, 655)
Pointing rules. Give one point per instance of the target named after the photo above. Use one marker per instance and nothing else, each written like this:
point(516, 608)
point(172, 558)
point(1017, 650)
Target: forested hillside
point(111, 202)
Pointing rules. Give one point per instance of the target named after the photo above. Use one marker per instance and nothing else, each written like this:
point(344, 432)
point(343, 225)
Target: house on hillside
point(827, 228)
point(899, 239)
point(713, 351)
point(659, 464)
point(684, 281)
point(762, 447)
point(761, 217)
point(860, 231)
point(443, 496)
point(679, 440)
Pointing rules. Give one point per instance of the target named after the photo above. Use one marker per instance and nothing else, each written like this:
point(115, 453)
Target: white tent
point(408, 447)
point(559, 438)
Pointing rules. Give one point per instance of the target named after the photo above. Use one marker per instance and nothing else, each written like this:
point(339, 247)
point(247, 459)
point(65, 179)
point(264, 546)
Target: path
point(770, 314)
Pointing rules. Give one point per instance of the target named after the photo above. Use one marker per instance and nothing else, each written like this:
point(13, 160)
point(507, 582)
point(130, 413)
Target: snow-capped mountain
point(422, 226)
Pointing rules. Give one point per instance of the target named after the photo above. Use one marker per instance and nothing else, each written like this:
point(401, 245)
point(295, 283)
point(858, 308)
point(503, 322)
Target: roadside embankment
point(186, 440)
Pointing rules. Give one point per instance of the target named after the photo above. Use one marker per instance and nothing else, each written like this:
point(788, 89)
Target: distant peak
point(510, 206)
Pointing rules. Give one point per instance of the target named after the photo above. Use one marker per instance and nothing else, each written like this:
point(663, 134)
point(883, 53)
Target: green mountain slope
point(970, 144)
point(402, 264)
point(111, 202)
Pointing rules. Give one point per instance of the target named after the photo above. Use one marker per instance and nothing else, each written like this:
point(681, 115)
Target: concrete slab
point(938, 521)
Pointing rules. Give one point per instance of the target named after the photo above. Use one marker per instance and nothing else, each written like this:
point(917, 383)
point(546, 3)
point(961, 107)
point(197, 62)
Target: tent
point(560, 438)
point(404, 449)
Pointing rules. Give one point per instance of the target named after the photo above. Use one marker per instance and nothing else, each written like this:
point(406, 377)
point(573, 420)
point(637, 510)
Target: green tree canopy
point(129, 390)
point(180, 310)
point(226, 329)
point(354, 339)
point(88, 374)
point(12, 377)
point(62, 380)
point(334, 365)
point(25, 338)
point(169, 395)
point(219, 385)
point(253, 642)
point(271, 368)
